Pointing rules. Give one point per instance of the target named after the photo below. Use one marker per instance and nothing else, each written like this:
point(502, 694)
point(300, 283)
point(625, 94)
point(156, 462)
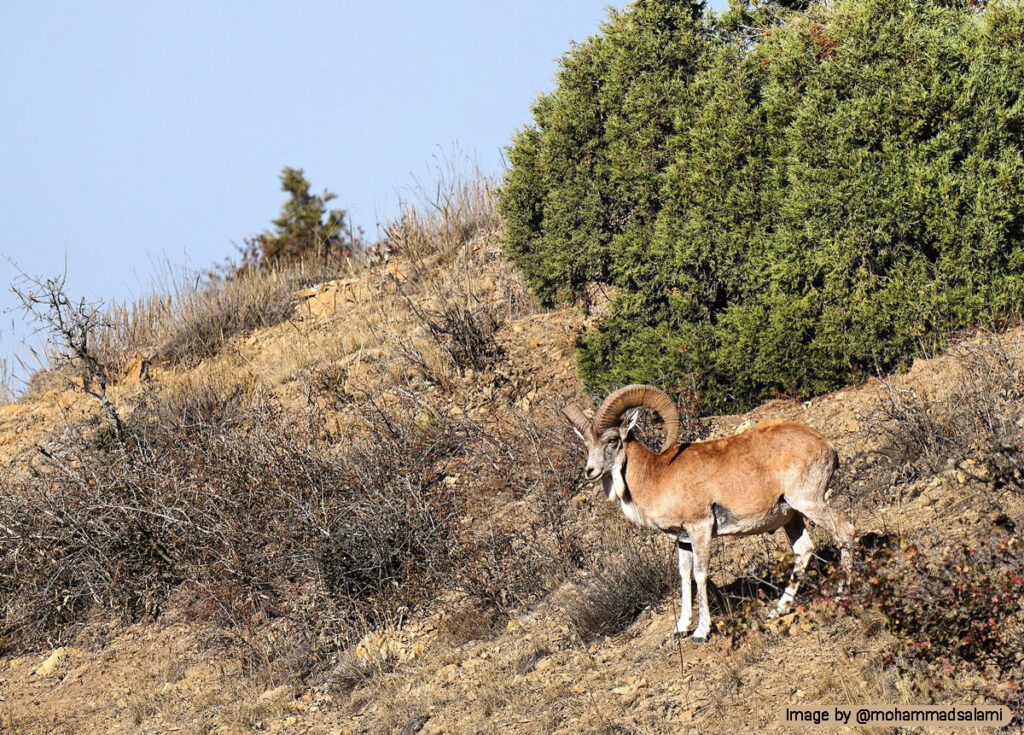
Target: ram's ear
point(628, 422)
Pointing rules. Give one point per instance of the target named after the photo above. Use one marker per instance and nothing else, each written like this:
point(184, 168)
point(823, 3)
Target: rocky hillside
point(519, 600)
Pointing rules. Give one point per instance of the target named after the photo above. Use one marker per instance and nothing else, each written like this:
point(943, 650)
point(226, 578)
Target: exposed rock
point(277, 694)
point(51, 662)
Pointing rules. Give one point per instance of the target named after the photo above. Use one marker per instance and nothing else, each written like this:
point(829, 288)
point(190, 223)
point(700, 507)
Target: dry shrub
point(622, 585)
point(982, 418)
point(399, 532)
point(461, 327)
point(445, 238)
point(452, 290)
point(511, 568)
point(515, 562)
point(72, 326)
point(216, 494)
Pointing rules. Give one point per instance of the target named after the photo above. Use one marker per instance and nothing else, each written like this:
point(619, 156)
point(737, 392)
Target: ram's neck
point(633, 483)
point(642, 470)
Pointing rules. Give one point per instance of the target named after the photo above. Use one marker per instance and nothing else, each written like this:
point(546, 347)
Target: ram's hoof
point(699, 639)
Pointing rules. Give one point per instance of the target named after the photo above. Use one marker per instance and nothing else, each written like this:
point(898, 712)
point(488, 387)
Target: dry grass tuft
point(460, 208)
point(193, 317)
point(355, 670)
point(624, 583)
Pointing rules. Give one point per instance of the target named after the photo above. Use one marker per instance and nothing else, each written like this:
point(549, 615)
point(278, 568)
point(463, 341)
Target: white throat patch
point(615, 489)
point(618, 482)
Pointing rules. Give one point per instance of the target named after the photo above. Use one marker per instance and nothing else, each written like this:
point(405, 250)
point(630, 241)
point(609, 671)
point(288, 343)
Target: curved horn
point(633, 396)
point(576, 417)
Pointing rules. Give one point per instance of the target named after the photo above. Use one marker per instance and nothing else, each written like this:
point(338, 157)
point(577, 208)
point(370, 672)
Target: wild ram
point(755, 482)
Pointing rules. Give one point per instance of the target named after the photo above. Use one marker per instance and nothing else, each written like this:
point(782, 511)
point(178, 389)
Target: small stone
point(51, 663)
point(272, 695)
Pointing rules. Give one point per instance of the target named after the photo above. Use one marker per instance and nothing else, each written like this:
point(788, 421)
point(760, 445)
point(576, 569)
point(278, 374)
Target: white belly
point(726, 524)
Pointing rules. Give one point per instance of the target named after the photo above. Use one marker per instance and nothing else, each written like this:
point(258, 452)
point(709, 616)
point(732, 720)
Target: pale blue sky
point(139, 133)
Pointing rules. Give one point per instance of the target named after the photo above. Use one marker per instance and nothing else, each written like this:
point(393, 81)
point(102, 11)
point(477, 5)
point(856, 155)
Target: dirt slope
point(529, 674)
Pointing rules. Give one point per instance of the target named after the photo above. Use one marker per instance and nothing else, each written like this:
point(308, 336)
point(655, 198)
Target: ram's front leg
point(700, 540)
point(685, 574)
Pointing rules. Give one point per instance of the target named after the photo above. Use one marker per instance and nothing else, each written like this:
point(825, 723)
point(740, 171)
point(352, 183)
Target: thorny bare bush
point(237, 512)
point(460, 327)
point(979, 426)
point(293, 541)
point(73, 328)
point(510, 568)
point(513, 564)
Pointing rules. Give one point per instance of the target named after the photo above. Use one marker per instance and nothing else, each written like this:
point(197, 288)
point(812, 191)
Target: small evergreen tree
point(305, 228)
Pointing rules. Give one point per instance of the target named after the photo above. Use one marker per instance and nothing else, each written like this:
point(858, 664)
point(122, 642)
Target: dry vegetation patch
point(378, 508)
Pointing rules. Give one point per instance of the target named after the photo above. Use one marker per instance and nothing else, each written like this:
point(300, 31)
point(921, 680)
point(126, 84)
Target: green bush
point(783, 200)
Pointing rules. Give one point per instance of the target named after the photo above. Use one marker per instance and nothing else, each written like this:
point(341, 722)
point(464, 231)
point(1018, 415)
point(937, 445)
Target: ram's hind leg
point(803, 547)
point(809, 501)
point(841, 530)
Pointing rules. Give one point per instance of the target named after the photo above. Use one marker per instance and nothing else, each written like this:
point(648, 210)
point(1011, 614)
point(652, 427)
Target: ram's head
point(605, 436)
